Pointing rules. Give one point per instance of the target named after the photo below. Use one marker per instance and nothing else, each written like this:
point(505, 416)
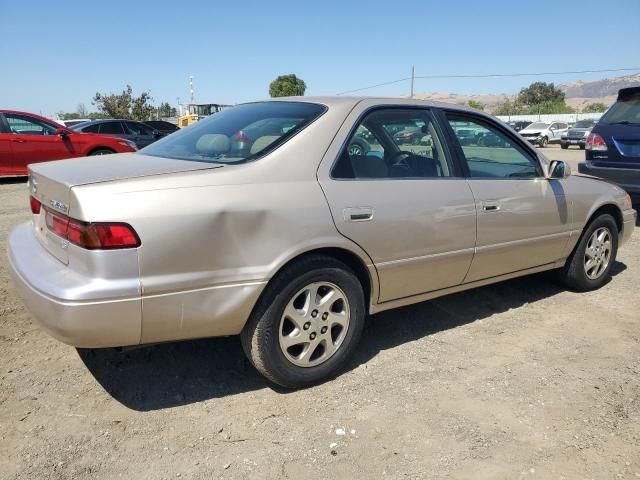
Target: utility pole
point(413, 76)
point(191, 87)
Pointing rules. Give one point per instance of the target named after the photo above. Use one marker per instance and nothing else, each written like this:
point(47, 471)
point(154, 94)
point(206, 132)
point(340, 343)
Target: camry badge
point(61, 207)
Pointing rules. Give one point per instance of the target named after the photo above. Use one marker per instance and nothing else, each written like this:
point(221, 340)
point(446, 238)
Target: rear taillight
point(35, 205)
point(595, 143)
point(92, 236)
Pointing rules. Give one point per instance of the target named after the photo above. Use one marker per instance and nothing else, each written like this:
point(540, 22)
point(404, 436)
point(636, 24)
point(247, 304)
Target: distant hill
point(578, 94)
point(599, 88)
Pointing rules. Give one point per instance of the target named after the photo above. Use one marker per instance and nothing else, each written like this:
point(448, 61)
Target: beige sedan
point(289, 221)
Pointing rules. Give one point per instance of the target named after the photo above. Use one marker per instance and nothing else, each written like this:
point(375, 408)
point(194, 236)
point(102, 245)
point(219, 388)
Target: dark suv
point(613, 146)
point(137, 132)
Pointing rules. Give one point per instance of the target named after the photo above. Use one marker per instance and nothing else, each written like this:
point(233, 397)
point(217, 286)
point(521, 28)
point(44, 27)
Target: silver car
point(290, 239)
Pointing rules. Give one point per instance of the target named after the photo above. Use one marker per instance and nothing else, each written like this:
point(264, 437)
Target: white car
point(544, 133)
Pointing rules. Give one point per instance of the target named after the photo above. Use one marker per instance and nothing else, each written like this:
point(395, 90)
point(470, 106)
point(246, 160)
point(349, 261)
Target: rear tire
point(589, 265)
point(101, 151)
point(282, 337)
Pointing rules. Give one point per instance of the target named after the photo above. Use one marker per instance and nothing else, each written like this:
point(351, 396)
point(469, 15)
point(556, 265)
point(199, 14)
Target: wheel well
point(100, 148)
point(612, 210)
point(347, 257)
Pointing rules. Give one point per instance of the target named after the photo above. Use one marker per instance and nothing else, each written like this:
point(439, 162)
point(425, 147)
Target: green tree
point(550, 107)
point(125, 104)
point(509, 107)
point(287, 86)
point(166, 110)
point(540, 92)
point(475, 104)
point(595, 108)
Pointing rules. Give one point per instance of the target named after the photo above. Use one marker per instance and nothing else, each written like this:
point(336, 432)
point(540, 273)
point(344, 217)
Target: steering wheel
point(400, 159)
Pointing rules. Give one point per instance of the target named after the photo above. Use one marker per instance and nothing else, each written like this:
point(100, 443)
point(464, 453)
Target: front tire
point(101, 151)
point(564, 145)
point(307, 323)
point(544, 142)
point(589, 265)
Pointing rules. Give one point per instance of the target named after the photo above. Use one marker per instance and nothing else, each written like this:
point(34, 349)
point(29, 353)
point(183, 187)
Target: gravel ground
point(517, 380)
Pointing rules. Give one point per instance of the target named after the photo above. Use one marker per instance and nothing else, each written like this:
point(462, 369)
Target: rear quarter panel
point(212, 239)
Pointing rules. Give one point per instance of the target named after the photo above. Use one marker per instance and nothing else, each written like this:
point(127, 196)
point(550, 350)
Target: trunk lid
point(106, 168)
point(51, 183)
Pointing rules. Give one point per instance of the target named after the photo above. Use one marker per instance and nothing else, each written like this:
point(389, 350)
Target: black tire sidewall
point(281, 370)
point(105, 151)
point(576, 277)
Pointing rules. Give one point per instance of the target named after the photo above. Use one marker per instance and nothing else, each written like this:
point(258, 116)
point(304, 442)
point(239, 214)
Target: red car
point(27, 138)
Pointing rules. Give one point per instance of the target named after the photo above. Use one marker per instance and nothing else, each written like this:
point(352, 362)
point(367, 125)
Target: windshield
point(584, 124)
point(538, 125)
point(237, 134)
point(624, 111)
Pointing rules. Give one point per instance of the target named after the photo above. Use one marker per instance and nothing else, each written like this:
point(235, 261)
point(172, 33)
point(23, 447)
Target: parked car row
point(27, 138)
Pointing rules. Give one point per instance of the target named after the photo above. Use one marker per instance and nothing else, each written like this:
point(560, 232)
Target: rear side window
point(91, 128)
point(111, 128)
point(238, 134)
point(394, 143)
point(134, 128)
point(489, 153)
point(625, 111)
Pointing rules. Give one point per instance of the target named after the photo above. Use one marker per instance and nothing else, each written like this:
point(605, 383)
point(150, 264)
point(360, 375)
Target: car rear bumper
point(627, 178)
point(38, 276)
point(574, 141)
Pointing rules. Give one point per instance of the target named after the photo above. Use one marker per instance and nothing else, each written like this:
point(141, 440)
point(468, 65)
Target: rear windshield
point(624, 112)
point(237, 134)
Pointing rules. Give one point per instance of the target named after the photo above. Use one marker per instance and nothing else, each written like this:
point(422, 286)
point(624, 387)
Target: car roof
point(330, 101)
point(102, 120)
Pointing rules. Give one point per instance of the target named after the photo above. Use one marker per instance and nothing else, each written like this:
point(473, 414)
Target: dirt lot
point(517, 380)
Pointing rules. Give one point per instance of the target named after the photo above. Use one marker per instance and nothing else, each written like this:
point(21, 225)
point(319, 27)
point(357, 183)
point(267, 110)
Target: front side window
point(394, 143)
point(24, 125)
point(238, 134)
point(489, 153)
point(111, 128)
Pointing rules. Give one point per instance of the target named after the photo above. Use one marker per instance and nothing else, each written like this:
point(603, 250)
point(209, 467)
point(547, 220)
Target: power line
point(492, 75)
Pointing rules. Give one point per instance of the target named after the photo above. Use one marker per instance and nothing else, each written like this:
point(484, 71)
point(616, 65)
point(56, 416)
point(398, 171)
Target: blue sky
point(56, 55)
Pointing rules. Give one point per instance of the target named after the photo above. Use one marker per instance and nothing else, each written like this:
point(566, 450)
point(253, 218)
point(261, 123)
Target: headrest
point(213, 143)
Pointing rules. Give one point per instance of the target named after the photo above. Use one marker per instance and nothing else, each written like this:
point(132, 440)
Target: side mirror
point(63, 132)
point(559, 170)
point(157, 134)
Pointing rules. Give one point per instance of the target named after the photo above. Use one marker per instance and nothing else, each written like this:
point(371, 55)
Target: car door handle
point(490, 206)
point(18, 140)
point(358, 214)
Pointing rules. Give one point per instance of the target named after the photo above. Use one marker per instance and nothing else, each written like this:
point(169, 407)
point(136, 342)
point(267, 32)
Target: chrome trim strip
point(426, 257)
point(203, 289)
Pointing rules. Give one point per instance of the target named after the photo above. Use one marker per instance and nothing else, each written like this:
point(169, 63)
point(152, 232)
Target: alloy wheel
point(597, 255)
point(314, 324)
